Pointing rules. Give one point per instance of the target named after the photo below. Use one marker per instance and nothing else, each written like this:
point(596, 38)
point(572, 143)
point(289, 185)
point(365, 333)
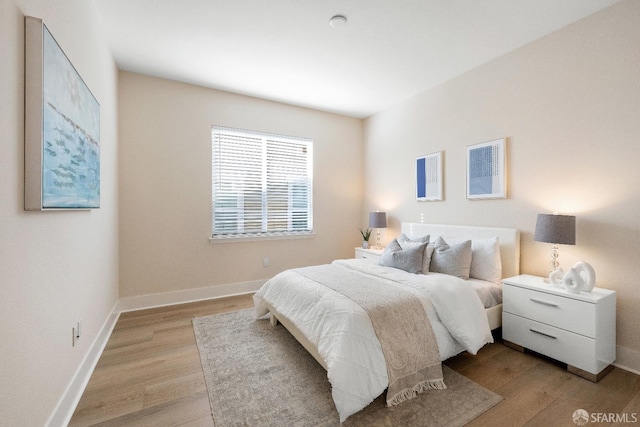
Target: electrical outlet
point(75, 334)
point(265, 262)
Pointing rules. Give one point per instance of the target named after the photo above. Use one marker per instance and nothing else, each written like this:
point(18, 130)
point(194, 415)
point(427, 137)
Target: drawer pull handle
point(550, 304)
point(543, 334)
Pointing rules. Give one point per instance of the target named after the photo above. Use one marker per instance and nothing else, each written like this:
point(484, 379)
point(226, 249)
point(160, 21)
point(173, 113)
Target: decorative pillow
point(426, 259)
point(454, 260)
point(406, 242)
point(409, 259)
point(485, 259)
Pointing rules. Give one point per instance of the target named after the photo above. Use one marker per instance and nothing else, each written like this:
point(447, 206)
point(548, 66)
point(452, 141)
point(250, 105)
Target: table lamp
point(378, 220)
point(555, 229)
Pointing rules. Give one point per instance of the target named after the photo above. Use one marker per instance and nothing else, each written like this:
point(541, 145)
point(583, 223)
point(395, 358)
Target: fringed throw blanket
point(400, 323)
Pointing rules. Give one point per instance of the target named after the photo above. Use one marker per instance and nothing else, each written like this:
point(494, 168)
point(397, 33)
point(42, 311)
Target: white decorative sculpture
point(581, 277)
point(555, 277)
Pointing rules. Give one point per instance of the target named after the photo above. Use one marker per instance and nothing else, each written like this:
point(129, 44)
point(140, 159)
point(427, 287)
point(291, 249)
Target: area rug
point(259, 375)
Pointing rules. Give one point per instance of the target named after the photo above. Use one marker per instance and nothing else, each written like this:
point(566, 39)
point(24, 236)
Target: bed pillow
point(406, 242)
point(485, 259)
point(409, 259)
point(454, 260)
point(426, 259)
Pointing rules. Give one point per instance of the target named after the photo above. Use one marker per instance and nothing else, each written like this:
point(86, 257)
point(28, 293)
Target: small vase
point(365, 244)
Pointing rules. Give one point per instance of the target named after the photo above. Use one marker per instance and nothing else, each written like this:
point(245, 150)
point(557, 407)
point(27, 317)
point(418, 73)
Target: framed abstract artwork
point(62, 128)
point(429, 177)
point(486, 170)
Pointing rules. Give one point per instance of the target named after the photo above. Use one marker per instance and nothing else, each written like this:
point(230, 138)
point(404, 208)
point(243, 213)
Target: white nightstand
point(371, 254)
point(577, 329)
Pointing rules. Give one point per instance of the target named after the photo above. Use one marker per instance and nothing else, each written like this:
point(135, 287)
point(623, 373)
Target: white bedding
point(490, 293)
point(343, 334)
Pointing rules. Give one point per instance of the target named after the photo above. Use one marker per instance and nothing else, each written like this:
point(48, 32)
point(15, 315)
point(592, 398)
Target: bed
point(339, 334)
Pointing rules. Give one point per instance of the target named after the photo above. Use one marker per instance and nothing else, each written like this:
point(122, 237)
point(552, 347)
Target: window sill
point(216, 240)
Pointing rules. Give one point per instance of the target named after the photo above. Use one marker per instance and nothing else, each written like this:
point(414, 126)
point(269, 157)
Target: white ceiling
point(285, 50)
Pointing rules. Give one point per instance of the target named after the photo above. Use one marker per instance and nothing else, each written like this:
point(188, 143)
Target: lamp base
point(555, 264)
point(378, 245)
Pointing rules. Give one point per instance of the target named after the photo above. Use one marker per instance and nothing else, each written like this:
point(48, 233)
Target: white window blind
point(262, 184)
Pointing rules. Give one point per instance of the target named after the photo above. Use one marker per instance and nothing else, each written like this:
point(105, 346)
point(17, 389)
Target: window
point(262, 184)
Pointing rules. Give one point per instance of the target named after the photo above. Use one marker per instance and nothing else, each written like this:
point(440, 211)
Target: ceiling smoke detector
point(338, 21)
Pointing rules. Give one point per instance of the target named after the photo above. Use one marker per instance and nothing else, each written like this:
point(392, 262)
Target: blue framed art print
point(429, 177)
point(62, 128)
point(486, 170)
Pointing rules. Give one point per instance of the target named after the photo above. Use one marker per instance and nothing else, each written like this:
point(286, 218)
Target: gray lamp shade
point(556, 229)
point(378, 220)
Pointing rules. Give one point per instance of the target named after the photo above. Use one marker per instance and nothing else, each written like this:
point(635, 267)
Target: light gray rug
point(258, 375)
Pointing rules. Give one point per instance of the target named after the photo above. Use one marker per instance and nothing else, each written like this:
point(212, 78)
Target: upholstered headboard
point(509, 239)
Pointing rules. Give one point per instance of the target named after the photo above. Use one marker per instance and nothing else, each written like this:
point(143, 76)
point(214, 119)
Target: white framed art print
point(486, 170)
point(429, 177)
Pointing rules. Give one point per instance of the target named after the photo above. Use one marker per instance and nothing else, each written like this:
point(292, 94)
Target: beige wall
point(569, 105)
point(165, 186)
point(56, 268)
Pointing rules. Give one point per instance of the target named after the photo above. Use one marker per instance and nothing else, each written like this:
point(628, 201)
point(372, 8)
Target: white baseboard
point(188, 295)
point(67, 404)
point(628, 359)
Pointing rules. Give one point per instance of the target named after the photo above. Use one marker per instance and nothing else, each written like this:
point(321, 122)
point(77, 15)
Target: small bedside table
point(371, 254)
point(577, 329)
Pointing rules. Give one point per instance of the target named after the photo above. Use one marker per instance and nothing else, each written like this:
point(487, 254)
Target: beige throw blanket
point(401, 325)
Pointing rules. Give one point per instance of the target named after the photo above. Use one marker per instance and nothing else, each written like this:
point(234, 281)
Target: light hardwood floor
point(150, 375)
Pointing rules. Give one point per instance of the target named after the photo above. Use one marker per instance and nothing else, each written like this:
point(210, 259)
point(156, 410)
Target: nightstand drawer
point(555, 310)
point(372, 255)
point(573, 349)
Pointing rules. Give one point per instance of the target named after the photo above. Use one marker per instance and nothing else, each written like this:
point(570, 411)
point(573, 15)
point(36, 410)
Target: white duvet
point(342, 332)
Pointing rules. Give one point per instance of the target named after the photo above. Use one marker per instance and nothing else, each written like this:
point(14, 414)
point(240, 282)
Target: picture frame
point(62, 128)
point(429, 177)
point(486, 170)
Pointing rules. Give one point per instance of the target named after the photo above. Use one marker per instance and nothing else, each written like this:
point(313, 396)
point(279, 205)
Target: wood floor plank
point(157, 367)
point(525, 395)
point(496, 370)
point(157, 341)
point(206, 421)
point(174, 388)
point(150, 375)
point(633, 406)
point(93, 409)
point(610, 395)
point(151, 366)
point(175, 412)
